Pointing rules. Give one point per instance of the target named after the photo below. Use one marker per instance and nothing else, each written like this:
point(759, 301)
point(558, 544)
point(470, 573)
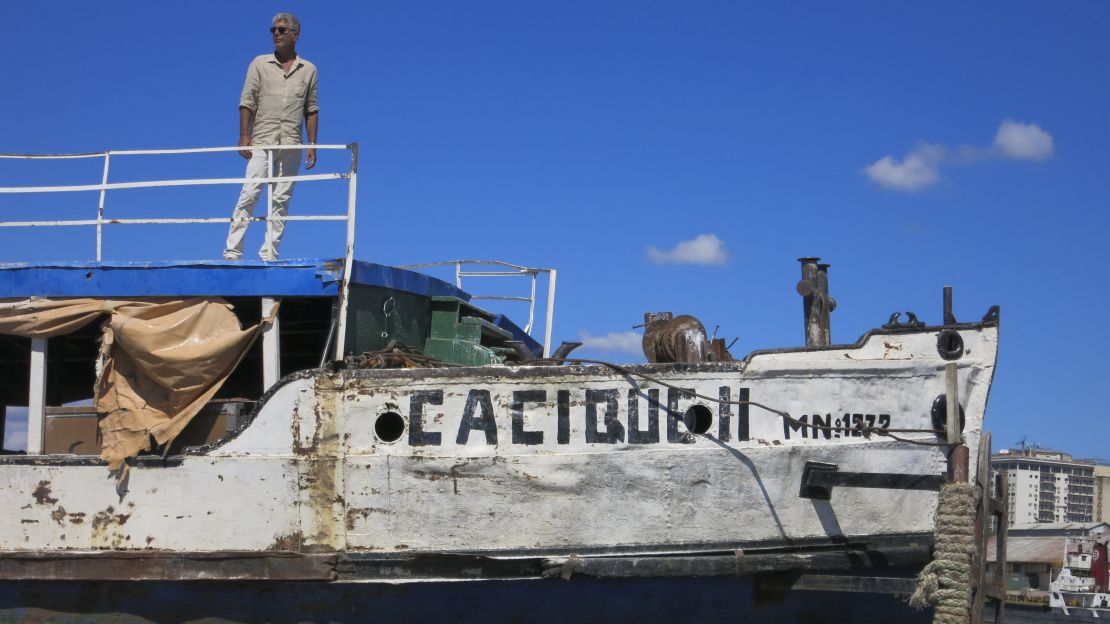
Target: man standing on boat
point(279, 96)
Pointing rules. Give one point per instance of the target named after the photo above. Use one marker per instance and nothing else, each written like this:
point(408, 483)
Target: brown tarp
point(162, 360)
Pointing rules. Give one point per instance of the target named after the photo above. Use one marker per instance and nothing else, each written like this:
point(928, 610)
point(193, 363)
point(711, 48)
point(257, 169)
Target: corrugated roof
point(1029, 549)
point(1056, 526)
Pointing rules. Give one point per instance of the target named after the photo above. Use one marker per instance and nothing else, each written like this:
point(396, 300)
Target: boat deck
point(305, 277)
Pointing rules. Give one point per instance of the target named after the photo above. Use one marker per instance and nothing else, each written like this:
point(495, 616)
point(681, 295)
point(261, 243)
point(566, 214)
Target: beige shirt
point(279, 101)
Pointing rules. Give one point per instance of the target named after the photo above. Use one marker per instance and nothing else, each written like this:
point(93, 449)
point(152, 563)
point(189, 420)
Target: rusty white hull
point(514, 462)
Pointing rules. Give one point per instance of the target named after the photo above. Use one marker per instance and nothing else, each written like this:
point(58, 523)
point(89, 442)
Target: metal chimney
point(816, 302)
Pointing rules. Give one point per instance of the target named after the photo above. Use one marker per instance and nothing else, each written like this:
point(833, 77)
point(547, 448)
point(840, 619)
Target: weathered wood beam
point(165, 566)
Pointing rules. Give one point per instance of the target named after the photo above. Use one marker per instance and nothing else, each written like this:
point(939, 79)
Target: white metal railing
point(507, 270)
point(104, 186)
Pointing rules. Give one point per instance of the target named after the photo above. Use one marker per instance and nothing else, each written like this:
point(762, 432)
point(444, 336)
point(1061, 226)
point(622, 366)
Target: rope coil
point(945, 583)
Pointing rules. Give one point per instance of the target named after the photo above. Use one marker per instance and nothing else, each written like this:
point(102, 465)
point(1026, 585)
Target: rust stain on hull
point(106, 533)
point(355, 512)
point(42, 494)
point(292, 542)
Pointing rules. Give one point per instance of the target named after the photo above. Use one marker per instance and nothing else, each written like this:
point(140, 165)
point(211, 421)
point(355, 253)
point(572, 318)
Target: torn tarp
point(163, 360)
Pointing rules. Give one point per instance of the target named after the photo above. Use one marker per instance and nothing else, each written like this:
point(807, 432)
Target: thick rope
point(395, 354)
point(945, 583)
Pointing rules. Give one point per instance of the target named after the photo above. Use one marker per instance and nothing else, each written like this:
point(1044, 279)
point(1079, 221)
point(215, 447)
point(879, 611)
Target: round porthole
point(389, 426)
point(698, 419)
point(950, 345)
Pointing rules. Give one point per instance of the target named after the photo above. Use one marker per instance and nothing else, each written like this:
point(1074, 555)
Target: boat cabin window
point(71, 421)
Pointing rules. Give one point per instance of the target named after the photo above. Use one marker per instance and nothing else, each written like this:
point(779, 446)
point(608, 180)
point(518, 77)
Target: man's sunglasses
point(280, 30)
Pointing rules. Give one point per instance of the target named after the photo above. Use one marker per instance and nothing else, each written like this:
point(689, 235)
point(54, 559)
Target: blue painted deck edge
point(531, 343)
point(371, 274)
point(283, 278)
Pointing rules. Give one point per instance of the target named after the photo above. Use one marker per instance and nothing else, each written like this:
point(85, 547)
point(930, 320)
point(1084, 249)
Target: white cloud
point(628, 343)
point(1024, 141)
point(920, 168)
point(703, 249)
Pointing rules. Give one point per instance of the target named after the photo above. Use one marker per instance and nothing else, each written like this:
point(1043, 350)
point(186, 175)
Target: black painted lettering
point(884, 421)
point(614, 430)
point(674, 416)
point(654, 405)
point(562, 436)
point(742, 422)
point(800, 426)
point(870, 420)
point(484, 420)
point(857, 425)
point(417, 435)
point(520, 397)
point(822, 426)
point(724, 422)
point(635, 435)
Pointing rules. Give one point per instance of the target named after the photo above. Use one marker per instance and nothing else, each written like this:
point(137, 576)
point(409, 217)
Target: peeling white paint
point(310, 472)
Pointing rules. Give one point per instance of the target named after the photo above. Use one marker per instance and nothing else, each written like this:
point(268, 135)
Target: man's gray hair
point(289, 18)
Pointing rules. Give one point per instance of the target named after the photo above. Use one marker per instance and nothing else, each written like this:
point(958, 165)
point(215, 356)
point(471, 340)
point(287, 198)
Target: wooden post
point(952, 407)
point(959, 459)
point(271, 346)
point(36, 398)
point(982, 530)
point(1000, 538)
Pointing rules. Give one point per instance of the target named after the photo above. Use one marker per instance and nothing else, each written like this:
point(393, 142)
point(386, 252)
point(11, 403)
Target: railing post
point(271, 346)
point(531, 305)
point(550, 313)
point(269, 196)
point(100, 209)
point(36, 399)
point(348, 258)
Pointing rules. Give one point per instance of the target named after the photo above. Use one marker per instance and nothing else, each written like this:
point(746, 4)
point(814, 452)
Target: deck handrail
point(516, 270)
point(104, 186)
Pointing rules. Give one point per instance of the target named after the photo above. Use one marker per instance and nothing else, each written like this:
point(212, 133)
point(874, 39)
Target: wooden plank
point(953, 404)
point(982, 529)
point(167, 566)
point(737, 564)
point(80, 410)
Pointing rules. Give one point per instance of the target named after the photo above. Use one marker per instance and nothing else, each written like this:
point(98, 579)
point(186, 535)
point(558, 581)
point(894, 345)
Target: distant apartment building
point(1102, 493)
point(1047, 486)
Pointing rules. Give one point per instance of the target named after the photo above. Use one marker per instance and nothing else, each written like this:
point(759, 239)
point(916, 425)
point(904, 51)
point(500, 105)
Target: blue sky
point(583, 135)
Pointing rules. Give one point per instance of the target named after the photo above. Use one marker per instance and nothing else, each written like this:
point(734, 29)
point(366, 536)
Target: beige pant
point(286, 163)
